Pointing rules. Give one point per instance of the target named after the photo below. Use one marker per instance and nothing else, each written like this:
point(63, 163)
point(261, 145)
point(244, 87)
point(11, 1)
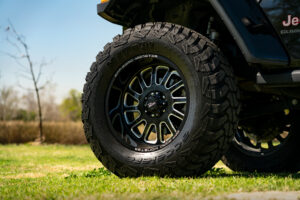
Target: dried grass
point(54, 132)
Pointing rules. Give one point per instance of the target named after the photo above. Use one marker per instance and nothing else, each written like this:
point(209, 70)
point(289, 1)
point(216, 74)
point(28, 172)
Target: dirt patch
point(272, 195)
point(25, 175)
point(45, 170)
point(61, 168)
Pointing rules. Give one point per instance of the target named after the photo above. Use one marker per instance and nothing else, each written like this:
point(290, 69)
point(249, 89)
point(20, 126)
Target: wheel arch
point(243, 22)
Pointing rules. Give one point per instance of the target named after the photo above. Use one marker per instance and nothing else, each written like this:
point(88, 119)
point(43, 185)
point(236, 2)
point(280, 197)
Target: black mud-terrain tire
point(284, 159)
point(213, 103)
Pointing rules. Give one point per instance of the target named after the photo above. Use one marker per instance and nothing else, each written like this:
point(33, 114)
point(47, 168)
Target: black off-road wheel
point(276, 153)
point(159, 100)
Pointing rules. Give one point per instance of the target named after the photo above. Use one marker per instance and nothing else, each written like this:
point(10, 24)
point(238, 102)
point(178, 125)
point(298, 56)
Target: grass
point(72, 172)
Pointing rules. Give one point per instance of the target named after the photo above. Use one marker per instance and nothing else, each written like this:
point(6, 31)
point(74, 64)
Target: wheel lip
point(115, 75)
point(240, 146)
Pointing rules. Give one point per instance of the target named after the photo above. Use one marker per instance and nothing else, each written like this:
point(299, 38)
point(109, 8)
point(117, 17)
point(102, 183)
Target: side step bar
point(289, 78)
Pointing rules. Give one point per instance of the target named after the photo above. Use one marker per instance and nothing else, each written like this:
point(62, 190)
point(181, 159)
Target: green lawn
point(72, 172)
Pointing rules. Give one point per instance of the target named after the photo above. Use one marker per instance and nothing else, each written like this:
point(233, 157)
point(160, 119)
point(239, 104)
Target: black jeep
point(189, 81)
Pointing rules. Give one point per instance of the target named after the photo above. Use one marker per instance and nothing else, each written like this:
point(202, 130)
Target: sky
point(67, 33)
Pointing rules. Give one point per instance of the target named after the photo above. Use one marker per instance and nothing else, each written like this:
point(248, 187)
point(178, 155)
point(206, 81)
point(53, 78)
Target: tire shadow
point(222, 173)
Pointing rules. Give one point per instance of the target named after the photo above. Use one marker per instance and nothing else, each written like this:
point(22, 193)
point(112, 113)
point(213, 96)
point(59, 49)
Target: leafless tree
point(29, 70)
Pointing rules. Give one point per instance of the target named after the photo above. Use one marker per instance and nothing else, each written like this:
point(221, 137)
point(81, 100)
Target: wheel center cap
point(155, 104)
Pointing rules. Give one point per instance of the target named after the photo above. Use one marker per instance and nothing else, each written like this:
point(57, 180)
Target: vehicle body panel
point(249, 27)
point(285, 17)
point(257, 30)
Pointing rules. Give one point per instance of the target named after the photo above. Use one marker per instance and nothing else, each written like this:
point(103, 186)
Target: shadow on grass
point(101, 172)
point(221, 173)
point(213, 173)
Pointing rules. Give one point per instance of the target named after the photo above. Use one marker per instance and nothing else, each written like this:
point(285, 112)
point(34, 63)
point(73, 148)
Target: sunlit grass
point(68, 172)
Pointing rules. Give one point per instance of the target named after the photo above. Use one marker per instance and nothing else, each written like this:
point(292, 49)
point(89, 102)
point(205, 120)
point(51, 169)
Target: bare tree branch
point(44, 85)
point(12, 55)
point(23, 69)
point(25, 76)
point(13, 44)
point(16, 58)
point(22, 87)
point(42, 65)
point(19, 37)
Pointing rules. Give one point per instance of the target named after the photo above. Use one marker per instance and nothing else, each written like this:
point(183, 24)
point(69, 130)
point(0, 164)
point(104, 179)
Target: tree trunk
point(40, 115)
point(37, 92)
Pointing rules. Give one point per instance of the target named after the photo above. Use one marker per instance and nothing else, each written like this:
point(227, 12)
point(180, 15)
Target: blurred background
point(46, 49)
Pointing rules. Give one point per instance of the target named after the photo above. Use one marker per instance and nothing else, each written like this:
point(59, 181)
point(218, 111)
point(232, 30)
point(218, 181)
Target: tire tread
point(219, 90)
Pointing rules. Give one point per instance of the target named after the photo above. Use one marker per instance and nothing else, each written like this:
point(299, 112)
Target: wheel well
point(201, 17)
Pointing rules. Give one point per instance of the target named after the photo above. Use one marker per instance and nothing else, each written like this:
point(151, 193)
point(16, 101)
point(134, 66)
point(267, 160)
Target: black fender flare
point(252, 31)
point(244, 19)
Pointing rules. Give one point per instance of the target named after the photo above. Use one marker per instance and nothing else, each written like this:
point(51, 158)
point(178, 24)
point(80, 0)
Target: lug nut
point(163, 96)
point(152, 115)
point(152, 93)
point(156, 93)
point(164, 110)
point(146, 111)
point(157, 115)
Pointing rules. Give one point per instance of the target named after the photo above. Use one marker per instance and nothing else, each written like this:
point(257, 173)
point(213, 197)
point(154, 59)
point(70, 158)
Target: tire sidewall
point(119, 56)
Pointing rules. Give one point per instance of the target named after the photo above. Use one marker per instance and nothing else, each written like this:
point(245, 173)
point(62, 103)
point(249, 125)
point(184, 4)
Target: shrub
point(54, 132)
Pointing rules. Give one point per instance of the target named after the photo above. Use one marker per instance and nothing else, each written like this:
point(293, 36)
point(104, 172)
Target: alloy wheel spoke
point(115, 117)
point(153, 77)
point(165, 78)
point(131, 108)
point(176, 86)
point(113, 112)
point(168, 78)
point(135, 125)
point(134, 94)
point(159, 133)
point(132, 120)
point(179, 100)
point(138, 119)
point(142, 82)
point(146, 131)
point(179, 115)
point(170, 126)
